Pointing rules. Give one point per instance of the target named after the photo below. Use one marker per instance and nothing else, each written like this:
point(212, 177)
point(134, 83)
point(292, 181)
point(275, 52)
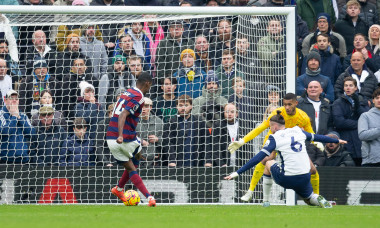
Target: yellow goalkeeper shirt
point(300, 119)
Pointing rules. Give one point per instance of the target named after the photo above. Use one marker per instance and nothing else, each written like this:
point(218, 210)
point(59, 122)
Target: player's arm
point(120, 124)
point(270, 146)
point(322, 138)
point(251, 135)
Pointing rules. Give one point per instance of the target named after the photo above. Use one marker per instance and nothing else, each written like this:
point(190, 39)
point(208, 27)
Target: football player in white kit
point(294, 170)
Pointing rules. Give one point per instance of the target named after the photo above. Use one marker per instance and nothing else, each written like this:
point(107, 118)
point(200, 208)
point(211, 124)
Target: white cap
point(11, 92)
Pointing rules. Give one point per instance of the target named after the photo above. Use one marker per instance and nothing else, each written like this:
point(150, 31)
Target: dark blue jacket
point(15, 135)
point(75, 152)
point(92, 113)
point(345, 117)
point(47, 144)
point(304, 79)
point(330, 65)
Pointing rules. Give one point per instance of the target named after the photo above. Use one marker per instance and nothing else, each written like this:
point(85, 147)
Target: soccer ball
point(133, 198)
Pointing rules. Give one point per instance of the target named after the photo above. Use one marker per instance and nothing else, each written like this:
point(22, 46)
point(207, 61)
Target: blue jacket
point(15, 135)
point(304, 79)
point(75, 152)
point(330, 65)
point(92, 113)
point(48, 143)
point(345, 117)
point(191, 88)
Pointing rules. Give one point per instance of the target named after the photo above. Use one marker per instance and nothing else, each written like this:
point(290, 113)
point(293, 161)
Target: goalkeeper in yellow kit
point(293, 117)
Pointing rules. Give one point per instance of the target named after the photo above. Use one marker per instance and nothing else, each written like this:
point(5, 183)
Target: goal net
point(69, 65)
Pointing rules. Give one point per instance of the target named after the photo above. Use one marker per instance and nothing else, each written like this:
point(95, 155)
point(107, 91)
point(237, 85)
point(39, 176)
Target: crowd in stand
point(212, 83)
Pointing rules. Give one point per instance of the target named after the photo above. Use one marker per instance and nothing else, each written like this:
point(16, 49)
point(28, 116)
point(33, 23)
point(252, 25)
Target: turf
point(90, 216)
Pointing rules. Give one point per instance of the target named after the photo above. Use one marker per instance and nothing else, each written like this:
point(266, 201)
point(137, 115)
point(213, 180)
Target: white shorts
point(124, 151)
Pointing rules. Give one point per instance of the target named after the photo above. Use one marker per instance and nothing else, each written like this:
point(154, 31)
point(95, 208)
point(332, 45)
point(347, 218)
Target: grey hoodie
point(369, 134)
point(95, 51)
point(206, 96)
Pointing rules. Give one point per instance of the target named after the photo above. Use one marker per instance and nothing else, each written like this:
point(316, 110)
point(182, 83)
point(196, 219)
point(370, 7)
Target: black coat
point(65, 61)
point(367, 87)
point(372, 63)
point(325, 117)
point(50, 57)
point(341, 158)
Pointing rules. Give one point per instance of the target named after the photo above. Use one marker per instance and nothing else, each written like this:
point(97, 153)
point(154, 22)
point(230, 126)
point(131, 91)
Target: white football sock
point(267, 187)
point(313, 199)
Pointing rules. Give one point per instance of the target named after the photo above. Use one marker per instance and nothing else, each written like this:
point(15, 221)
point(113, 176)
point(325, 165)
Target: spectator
point(273, 100)
point(40, 50)
point(204, 56)
point(324, 26)
point(6, 82)
point(150, 132)
point(365, 79)
point(65, 32)
point(372, 61)
point(107, 3)
point(31, 2)
point(46, 99)
point(78, 149)
point(330, 63)
point(316, 155)
point(32, 86)
point(226, 72)
point(189, 76)
point(49, 137)
point(94, 49)
point(211, 92)
point(336, 154)
point(229, 131)
point(87, 107)
point(223, 40)
point(165, 105)
point(309, 10)
point(141, 42)
point(71, 82)
point(313, 73)
point(374, 36)
point(246, 60)
point(135, 68)
point(369, 133)
point(184, 137)
point(346, 111)
point(368, 12)
point(116, 78)
point(65, 60)
point(14, 69)
point(351, 24)
point(16, 131)
point(7, 35)
point(271, 51)
point(170, 49)
point(16, 3)
point(155, 34)
point(317, 108)
point(102, 151)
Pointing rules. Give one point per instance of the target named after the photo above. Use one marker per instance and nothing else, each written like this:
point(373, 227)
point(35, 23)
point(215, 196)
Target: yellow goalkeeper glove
point(235, 145)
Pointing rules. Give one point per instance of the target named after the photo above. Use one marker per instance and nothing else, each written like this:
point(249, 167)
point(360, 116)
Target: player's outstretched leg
point(314, 179)
point(119, 189)
point(137, 181)
point(318, 200)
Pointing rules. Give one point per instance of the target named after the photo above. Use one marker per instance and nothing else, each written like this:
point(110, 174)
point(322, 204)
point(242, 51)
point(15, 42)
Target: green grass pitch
point(90, 216)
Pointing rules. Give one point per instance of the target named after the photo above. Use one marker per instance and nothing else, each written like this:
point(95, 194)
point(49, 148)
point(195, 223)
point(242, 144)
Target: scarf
point(359, 78)
point(313, 72)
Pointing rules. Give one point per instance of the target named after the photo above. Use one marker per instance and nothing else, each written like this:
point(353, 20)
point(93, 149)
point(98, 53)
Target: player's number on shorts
point(118, 109)
point(296, 146)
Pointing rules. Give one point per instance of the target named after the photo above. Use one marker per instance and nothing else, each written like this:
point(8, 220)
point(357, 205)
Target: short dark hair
point(376, 93)
point(290, 96)
point(173, 80)
point(183, 99)
point(185, 3)
point(326, 36)
point(143, 78)
point(361, 34)
point(124, 35)
point(4, 41)
point(351, 79)
point(80, 123)
point(46, 91)
point(278, 118)
point(229, 52)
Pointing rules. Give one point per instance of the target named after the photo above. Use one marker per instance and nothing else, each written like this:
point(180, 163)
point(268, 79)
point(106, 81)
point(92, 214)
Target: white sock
point(267, 187)
point(313, 199)
point(119, 189)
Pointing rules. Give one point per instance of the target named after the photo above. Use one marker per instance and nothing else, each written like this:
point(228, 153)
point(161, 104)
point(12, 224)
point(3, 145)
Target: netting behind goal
point(69, 69)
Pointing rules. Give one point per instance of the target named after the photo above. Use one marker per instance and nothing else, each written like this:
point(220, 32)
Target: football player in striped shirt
point(122, 138)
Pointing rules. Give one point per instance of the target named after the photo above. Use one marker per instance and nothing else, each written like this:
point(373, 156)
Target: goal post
point(32, 181)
